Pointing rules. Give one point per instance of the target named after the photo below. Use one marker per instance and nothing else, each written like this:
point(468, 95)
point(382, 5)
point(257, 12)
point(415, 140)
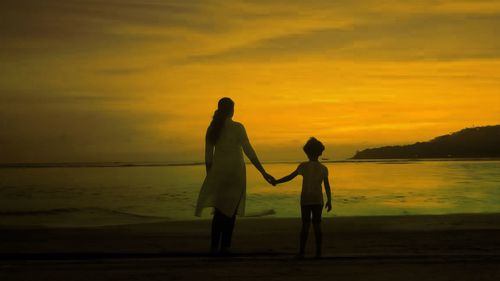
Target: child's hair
point(313, 148)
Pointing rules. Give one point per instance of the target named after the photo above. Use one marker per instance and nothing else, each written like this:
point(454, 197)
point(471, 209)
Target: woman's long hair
point(224, 110)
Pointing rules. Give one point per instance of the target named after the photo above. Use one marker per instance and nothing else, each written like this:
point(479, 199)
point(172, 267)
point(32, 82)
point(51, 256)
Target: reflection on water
point(135, 194)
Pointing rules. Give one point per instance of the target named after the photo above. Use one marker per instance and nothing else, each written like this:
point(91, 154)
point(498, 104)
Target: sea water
point(87, 196)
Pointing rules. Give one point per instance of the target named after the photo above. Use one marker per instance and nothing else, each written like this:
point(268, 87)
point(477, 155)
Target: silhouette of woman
point(224, 187)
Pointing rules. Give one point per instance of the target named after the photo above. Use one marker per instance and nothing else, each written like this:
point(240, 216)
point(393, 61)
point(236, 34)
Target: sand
point(444, 247)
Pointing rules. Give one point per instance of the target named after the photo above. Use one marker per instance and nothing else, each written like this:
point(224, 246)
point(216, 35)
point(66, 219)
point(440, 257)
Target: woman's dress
point(224, 187)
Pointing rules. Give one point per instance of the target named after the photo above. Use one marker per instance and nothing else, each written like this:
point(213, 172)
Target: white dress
point(224, 187)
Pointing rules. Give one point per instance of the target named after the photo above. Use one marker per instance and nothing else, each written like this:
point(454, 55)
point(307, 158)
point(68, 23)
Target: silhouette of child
point(311, 199)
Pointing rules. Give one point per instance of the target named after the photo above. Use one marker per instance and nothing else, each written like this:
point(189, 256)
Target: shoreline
point(151, 220)
point(207, 218)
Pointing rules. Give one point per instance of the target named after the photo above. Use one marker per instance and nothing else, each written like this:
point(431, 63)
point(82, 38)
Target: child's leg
point(304, 232)
point(318, 235)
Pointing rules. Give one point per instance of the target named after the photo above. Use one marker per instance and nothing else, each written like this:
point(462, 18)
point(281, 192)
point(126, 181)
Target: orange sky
point(139, 80)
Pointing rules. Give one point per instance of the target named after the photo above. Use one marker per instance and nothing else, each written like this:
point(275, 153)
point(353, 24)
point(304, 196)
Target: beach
point(432, 247)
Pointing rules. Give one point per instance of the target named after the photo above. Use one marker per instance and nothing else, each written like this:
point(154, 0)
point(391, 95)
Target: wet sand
point(450, 247)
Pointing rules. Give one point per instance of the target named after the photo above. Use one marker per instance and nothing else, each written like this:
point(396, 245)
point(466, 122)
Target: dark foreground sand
point(452, 247)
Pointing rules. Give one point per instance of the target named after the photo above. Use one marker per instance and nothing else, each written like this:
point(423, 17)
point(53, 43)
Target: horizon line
point(117, 164)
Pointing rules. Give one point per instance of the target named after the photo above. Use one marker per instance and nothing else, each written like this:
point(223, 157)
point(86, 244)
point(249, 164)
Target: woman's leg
point(217, 226)
point(316, 220)
point(304, 232)
point(227, 232)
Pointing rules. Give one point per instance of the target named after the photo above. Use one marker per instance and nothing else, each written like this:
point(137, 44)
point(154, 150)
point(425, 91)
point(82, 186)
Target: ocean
point(117, 194)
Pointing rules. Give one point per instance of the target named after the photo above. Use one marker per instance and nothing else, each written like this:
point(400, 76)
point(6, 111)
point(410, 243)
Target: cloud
point(228, 30)
point(420, 37)
point(32, 28)
point(122, 70)
point(23, 97)
point(81, 128)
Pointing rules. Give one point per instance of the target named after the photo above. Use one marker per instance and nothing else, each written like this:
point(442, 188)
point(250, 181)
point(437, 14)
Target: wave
point(261, 213)
point(64, 211)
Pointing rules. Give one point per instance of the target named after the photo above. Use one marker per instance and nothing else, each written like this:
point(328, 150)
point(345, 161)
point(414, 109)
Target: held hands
point(328, 206)
point(270, 179)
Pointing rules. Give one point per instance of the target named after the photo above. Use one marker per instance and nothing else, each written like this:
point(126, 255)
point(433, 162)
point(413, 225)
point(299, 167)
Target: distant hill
point(478, 142)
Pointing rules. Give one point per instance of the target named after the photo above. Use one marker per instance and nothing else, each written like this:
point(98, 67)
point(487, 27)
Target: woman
point(224, 187)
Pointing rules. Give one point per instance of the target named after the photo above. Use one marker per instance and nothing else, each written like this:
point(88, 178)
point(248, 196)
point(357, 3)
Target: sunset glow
point(139, 80)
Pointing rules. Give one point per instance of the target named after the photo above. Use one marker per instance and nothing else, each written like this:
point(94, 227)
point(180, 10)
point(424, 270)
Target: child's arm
point(328, 205)
point(287, 178)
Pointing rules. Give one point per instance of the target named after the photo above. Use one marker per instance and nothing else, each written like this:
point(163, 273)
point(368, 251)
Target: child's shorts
point(314, 210)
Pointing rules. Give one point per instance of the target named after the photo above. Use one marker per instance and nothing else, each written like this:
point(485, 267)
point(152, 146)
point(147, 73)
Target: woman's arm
point(250, 153)
point(287, 178)
point(209, 153)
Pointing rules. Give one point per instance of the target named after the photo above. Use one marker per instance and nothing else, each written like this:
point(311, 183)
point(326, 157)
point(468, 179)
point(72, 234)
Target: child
point(311, 199)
